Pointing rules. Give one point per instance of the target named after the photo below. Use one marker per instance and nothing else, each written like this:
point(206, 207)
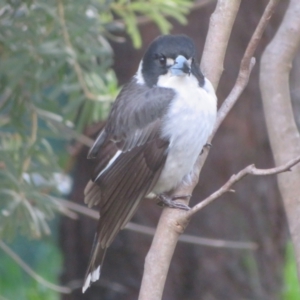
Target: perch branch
point(246, 66)
point(172, 223)
point(249, 170)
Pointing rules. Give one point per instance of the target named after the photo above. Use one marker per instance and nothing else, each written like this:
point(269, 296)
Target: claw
point(207, 145)
point(168, 201)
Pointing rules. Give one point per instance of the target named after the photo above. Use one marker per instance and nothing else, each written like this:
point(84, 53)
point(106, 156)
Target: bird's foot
point(167, 201)
point(207, 145)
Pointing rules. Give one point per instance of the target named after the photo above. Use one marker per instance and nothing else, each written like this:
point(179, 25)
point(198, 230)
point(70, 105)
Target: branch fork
point(165, 240)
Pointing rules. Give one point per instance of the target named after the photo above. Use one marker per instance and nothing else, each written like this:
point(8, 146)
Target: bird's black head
point(162, 53)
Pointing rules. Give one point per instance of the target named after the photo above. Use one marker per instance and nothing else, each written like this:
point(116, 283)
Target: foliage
point(56, 78)
point(291, 283)
point(154, 10)
point(16, 284)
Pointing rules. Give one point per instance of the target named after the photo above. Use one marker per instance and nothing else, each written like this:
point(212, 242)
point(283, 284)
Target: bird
point(155, 131)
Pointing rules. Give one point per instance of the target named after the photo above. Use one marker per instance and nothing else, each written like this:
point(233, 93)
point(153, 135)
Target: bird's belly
point(178, 165)
point(188, 128)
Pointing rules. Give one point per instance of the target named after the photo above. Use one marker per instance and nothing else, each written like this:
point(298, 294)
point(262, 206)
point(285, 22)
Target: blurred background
point(62, 64)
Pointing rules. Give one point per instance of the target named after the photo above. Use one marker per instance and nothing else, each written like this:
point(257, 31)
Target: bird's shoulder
point(135, 117)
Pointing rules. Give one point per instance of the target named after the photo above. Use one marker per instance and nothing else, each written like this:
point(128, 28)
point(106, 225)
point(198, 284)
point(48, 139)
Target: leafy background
point(56, 79)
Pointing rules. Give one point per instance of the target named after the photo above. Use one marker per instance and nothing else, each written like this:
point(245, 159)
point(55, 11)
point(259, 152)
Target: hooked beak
point(181, 66)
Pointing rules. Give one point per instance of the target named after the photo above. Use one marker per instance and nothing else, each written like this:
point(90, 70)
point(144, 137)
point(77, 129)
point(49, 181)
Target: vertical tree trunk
point(253, 213)
point(283, 133)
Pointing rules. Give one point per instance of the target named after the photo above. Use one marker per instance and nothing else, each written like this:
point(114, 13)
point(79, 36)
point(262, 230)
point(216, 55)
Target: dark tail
point(95, 263)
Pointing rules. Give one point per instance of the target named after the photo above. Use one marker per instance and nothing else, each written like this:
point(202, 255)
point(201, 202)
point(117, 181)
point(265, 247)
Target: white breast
point(187, 124)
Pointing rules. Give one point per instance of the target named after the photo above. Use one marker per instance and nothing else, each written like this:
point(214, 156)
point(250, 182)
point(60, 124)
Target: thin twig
point(5, 97)
point(259, 30)
point(249, 170)
point(61, 13)
point(240, 85)
point(173, 223)
point(64, 126)
point(247, 64)
point(186, 238)
point(151, 231)
point(29, 271)
point(217, 243)
point(32, 140)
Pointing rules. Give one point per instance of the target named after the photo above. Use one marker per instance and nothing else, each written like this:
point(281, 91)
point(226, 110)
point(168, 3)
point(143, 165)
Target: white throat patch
point(177, 82)
point(187, 125)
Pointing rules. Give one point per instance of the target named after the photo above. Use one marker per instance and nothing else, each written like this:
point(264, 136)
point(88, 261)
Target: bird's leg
point(207, 145)
point(176, 197)
point(165, 200)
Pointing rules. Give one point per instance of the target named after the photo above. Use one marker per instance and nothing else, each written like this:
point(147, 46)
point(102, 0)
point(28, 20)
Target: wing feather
point(128, 188)
point(129, 157)
point(131, 119)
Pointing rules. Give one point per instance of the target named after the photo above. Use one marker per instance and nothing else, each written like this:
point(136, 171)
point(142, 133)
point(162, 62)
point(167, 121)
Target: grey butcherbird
point(155, 131)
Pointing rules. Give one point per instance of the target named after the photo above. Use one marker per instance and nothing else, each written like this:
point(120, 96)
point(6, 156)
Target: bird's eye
point(162, 60)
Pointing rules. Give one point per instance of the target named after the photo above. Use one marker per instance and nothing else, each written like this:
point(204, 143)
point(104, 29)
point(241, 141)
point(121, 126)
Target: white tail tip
point(92, 277)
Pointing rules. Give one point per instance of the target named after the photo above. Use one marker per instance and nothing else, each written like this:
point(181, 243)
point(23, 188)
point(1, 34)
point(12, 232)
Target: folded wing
point(129, 157)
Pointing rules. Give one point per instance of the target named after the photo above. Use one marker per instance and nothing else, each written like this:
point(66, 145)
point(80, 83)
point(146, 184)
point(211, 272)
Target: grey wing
point(118, 191)
point(131, 120)
point(121, 188)
point(130, 156)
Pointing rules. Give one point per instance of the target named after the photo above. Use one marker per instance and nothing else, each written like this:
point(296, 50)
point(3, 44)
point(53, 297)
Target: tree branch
point(173, 222)
point(29, 271)
point(247, 64)
point(220, 26)
point(151, 231)
point(283, 133)
point(249, 170)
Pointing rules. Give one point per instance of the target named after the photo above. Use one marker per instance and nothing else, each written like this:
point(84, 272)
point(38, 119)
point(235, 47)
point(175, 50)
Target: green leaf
point(291, 290)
